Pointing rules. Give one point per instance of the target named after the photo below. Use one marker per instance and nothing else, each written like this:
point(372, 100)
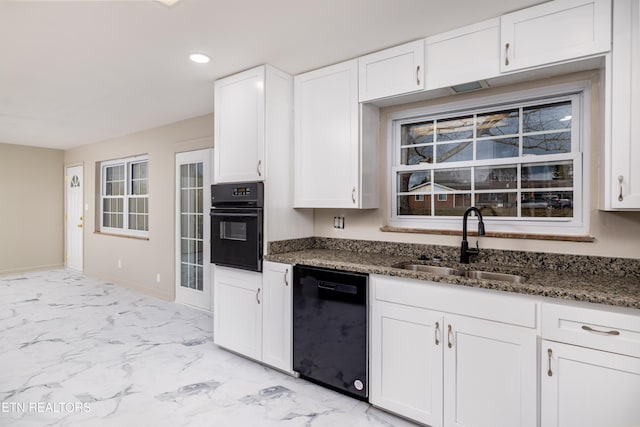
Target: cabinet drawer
point(604, 330)
point(480, 303)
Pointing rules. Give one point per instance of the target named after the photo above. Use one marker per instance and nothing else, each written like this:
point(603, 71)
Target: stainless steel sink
point(434, 269)
point(472, 274)
point(489, 275)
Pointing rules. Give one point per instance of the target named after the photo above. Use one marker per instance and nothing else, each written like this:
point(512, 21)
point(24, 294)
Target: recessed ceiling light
point(199, 58)
point(168, 3)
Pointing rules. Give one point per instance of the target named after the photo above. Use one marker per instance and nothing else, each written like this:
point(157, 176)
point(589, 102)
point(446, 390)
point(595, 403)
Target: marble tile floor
point(76, 351)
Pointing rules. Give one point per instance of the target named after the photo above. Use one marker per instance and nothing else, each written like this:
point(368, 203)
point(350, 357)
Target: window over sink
point(519, 158)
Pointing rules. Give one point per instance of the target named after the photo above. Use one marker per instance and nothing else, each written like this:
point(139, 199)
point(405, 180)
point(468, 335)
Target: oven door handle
point(233, 214)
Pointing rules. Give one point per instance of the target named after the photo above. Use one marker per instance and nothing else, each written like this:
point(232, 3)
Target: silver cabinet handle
point(258, 296)
point(418, 75)
point(449, 336)
point(595, 331)
point(620, 179)
point(549, 353)
point(286, 280)
point(506, 54)
point(259, 168)
point(437, 333)
point(353, 194)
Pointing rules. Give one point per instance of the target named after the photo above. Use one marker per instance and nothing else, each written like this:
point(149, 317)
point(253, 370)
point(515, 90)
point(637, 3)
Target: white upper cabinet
point(464, 55)
point(622, 139)
point(556, 31)
point(239, 127)
point(392, 72)
point(335, 140)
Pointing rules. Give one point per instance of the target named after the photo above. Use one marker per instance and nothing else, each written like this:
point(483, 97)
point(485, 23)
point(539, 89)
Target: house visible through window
point(518, 162)
point(124, 207)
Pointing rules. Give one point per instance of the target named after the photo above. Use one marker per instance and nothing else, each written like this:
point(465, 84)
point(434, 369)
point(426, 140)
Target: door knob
point(79, 225)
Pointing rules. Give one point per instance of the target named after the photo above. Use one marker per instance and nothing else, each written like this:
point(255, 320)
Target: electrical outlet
point(158, 278)
point(119, 263)
point(338, 222)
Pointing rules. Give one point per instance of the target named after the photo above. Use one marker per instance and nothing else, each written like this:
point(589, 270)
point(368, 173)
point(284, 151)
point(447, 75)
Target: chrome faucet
point(465, 252)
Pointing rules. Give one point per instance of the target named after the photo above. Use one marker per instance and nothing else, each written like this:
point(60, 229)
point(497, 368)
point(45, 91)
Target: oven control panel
point(241, 191)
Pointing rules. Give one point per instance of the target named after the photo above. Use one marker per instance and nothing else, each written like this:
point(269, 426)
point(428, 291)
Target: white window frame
point(126, 162)
point(578, 225)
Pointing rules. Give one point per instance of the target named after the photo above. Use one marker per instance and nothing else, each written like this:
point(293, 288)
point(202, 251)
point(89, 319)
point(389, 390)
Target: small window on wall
point(124, 196)
point(520, 162)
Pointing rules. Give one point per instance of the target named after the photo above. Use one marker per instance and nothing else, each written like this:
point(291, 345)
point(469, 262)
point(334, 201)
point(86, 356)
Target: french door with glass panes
point(193, 199)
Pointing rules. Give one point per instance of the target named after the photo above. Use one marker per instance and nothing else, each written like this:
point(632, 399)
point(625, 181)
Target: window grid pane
point(124, 200)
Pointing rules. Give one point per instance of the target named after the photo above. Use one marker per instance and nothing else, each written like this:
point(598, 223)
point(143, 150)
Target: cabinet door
point(406, 361)
point(556, 31)
point(622, 183)
point(589, 388)
point(391, 72)
point(276, 315)
point(237, 322)
point(464, 55)
point(326, 137)
point(490, 372)
point(239, 117)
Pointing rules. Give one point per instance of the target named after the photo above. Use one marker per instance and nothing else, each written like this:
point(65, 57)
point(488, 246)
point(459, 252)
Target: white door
point(74, 217)
point(193, 246)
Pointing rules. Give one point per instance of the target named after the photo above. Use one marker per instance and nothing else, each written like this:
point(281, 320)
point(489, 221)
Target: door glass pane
point(191, 226)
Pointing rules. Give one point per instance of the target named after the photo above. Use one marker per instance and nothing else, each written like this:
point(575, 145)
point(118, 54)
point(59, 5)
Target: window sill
point(500, 235)
point(126, 236)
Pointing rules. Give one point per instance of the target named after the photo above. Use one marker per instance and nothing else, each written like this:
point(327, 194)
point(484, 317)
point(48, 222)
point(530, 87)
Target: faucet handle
point(475, 251)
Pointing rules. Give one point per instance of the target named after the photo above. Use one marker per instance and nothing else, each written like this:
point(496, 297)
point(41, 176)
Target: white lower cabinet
point(406, 361)
point(590, 366)
point(445, 369)
point(252, 313)
point(588, 388)
point(277, 334)
point(490, 374)
point(237, 311)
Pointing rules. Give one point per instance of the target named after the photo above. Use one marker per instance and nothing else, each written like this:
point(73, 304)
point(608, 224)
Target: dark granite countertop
point(607, 281)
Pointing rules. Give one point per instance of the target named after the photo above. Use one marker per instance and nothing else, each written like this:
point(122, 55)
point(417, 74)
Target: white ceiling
point(77, 72)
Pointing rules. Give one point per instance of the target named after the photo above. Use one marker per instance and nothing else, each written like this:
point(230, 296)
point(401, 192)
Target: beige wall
point(616, 234)
point(31, 213)
point(141, 260)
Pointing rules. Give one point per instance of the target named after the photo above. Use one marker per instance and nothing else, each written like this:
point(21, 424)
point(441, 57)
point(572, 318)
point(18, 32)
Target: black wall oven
point(236, 225)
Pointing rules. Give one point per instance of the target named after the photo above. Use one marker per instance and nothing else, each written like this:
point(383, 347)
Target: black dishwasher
point(330, 329)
